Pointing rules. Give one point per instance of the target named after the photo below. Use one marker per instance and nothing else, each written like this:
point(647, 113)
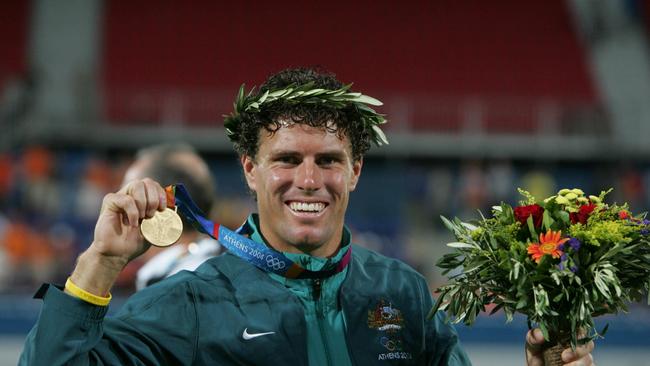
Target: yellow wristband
point(85, 295)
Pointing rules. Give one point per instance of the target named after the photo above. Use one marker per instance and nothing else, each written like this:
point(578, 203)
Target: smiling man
point(302, 178)
point(292, 290)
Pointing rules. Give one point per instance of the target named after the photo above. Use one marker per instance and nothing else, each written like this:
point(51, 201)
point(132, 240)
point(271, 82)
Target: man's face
point(302, 177)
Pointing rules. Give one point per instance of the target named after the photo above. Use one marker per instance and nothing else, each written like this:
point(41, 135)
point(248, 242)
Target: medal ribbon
point(249, 250)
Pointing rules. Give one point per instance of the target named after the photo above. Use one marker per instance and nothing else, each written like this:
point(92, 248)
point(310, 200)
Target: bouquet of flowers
point(561, 261)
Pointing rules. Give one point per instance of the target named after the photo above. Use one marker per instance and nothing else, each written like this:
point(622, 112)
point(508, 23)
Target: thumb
point(534, 342)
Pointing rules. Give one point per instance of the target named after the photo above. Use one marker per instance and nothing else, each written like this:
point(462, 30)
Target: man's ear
point(248, 165)
point(356, 173)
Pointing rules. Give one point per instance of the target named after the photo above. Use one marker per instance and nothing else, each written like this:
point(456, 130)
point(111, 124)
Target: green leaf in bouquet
point(469, 226)
point(556, 278)
point(529, 198)
point(450, 226)
point(547, 221)
point(602, 195)
point(497, 308)
point(604, 331)
point(544, 330)
point(522, 303)
point(493, 243)
point(541, 300)
point(450, 260)
point(509, 314)
point(471, 315)
point(507, 214)
point(531, 227)
point(462, 245)
point(565, 217)
point(542, 269)
point(472, 268)
point(514, 274)
point(582, 312)
point(602, 287)
point(437, 304)
point(577, 280)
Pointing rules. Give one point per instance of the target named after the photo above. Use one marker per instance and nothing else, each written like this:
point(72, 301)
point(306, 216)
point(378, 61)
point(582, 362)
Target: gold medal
point(163, 229)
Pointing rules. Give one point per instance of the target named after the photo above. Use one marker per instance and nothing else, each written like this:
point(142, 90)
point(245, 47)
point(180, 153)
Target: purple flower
point(563, 259)
point(574, 243)
point(644, 232)
point(574, 269)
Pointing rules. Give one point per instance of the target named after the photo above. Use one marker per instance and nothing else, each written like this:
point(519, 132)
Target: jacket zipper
point(317, 288)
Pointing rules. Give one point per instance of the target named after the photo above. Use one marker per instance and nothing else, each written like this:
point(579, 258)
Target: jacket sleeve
point(70, 331)
point(442, 343)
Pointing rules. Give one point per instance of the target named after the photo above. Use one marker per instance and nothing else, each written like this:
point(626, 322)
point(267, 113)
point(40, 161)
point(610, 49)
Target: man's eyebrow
point(285, 153)
point(332, 154)
point(295, 152)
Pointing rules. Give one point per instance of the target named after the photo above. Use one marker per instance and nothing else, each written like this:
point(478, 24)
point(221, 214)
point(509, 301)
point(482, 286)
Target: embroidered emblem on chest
point(384, 317)
point(389, 322)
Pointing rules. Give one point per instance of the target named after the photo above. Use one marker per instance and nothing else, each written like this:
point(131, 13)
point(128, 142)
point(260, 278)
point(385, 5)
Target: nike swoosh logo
point(248, 336)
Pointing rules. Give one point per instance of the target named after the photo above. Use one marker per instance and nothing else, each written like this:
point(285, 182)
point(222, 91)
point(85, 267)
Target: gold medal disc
point(163, 229)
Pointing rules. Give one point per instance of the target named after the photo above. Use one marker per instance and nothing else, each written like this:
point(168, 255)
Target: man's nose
point(309, 176)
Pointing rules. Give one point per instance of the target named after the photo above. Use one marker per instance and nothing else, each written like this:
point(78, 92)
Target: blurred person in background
point(312, 297)
point(169, 164)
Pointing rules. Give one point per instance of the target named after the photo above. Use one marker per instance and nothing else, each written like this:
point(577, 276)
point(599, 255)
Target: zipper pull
point(317, 288)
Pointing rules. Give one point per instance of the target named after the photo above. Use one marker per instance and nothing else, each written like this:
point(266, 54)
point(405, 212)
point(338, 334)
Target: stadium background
point(482, 97)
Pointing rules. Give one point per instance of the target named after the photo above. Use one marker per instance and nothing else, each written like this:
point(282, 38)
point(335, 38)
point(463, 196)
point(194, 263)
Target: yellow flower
point(571, 196)
point(562, 200)
point(578, 191)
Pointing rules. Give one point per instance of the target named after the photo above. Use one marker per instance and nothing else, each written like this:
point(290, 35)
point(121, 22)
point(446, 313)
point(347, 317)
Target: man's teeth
point(307, 207)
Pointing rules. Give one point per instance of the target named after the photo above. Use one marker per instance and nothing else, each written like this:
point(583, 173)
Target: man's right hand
point(117, 237)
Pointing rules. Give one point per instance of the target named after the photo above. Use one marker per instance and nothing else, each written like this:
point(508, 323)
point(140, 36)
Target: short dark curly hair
point(347, 121)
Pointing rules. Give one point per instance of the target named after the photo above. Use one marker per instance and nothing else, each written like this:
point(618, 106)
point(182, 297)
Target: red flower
point(549, 243)
point(522, 213)
point(623, 215)
point(582, 215)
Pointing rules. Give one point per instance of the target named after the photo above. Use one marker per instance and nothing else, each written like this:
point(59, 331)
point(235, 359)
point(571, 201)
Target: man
point(170, 164)
point(297, 292)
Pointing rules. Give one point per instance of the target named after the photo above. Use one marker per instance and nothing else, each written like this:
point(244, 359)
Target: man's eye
point(327, 160)
point(288, 159)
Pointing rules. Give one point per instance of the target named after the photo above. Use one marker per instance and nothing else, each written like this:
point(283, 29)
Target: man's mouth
point(310, 207)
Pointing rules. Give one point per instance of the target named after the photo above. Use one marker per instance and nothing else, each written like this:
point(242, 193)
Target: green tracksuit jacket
point(219, 314)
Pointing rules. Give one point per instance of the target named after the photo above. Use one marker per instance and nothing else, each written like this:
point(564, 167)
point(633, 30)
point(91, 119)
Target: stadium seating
point(14, 16)
point(165, 60)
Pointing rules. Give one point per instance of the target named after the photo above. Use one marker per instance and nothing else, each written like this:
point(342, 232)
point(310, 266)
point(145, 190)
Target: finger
point(153, 196)
point(584, 361)
point(139, 193)
point(534, 339)
point(122, 204)
point(581, 351)
point(162, 198)
point(534, 342)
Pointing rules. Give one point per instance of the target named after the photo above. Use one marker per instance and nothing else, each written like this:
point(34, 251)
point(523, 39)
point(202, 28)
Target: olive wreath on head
point(308, 94)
